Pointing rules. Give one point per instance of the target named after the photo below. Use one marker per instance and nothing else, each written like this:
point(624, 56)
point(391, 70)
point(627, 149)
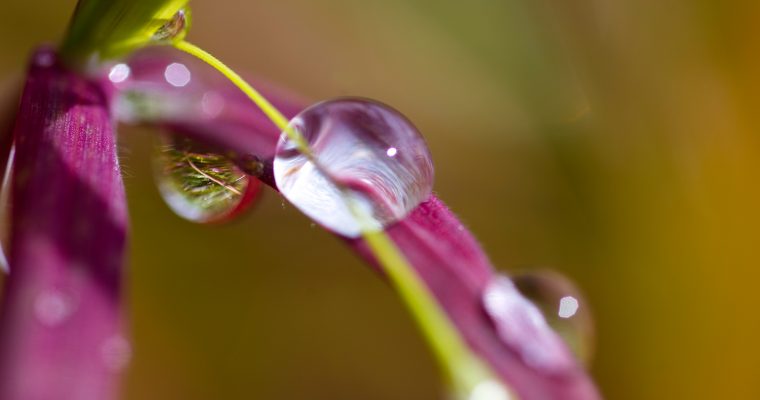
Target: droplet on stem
point(200, 184)
point(175, 28)
point(361, 149)
point(563, 306)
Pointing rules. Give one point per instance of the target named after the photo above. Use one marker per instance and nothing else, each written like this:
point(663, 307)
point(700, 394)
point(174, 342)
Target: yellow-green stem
point(463, 369)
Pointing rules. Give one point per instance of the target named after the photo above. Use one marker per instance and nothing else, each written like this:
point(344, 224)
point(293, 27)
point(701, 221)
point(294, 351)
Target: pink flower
point(62, 322)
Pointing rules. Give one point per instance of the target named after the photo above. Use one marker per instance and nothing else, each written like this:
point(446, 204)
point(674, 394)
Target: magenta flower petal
point(171, 89)
point(457, 271)
point(61, 317)
point(442, 251)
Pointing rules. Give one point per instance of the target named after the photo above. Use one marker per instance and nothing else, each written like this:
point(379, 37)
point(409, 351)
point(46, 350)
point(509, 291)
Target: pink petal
point(61, 317)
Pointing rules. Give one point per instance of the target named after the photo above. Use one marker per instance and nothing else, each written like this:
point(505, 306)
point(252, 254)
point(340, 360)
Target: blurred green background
point(616, 141)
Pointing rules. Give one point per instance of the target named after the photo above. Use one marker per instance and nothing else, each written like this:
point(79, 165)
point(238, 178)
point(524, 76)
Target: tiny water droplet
point(522, 327)
point(364, 150)
point(200, 184)
point(53, 307)
point(563, 306)
point(116, 353)
point(174, 28)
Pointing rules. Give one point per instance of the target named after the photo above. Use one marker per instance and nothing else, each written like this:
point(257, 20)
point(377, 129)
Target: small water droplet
point(53, 307)
point(116, 353)
point(564, 307)
point(364, 150)
point(522, 327)
point(175, 28)
point(200, 184)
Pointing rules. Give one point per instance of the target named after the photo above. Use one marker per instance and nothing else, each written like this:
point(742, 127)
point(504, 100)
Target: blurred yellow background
point(616, 141)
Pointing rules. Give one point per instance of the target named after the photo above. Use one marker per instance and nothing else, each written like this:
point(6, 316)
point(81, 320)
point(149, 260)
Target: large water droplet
point(364, 150)
point(565, 309)
point(200, 184)
point(522, 327)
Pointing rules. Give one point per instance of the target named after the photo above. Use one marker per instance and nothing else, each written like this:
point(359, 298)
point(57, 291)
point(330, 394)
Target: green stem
point(463, 369)
point(266, 107)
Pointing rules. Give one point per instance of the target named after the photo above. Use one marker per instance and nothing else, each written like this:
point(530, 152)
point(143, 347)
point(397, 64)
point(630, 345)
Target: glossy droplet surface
point(199, 184)
point(175, 28)
point(522, 327)
point(563, 306)
point(366, 148)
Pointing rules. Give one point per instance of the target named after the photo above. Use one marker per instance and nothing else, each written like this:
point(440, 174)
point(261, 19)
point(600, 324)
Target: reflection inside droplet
point(356, 145)
point(175, 28)
point(119, 73)
point(177, 74)
point(200, 184)
point(568, 306)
